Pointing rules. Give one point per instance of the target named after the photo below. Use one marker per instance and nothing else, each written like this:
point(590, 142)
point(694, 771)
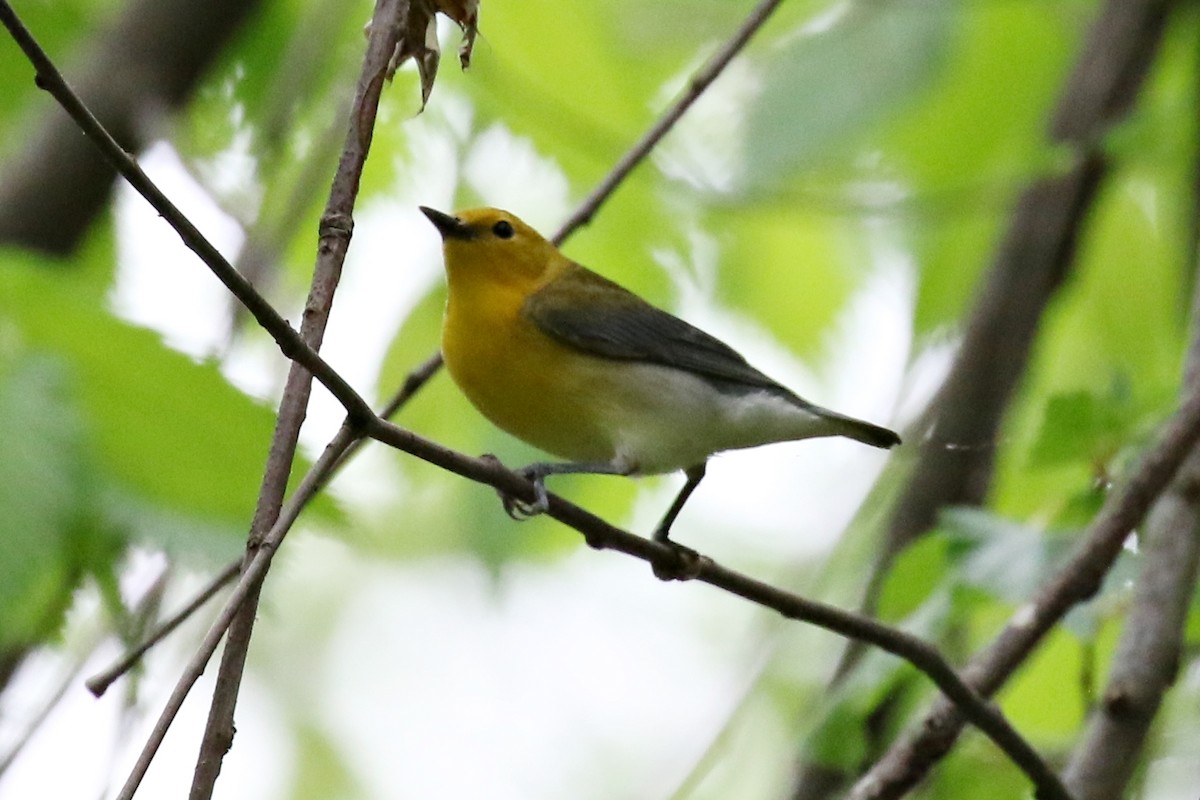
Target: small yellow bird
point(572, 363)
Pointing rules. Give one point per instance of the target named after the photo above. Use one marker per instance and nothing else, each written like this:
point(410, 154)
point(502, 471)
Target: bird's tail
point(857, 429)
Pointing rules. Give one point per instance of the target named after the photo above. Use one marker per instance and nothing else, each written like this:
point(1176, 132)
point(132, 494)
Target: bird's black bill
point(449, 227)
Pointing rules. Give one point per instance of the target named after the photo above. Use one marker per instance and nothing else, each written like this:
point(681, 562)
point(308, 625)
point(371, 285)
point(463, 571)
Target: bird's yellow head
point(487, 246)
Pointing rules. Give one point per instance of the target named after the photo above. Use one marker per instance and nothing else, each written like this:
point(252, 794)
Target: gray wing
point(594, 315)
point(591, 313)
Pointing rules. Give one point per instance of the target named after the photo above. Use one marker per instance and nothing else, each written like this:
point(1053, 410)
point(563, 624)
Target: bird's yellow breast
point(518, 377)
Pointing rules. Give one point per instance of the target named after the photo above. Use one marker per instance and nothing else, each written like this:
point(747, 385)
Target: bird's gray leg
point(687, 562)
point(537, 473)
point(694, 475)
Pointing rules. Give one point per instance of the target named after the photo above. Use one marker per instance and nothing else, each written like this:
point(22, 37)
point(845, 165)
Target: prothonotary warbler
point(584, 369)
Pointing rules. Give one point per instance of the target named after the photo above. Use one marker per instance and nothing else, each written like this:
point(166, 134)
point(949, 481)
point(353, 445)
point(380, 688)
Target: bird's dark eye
point(503, 229)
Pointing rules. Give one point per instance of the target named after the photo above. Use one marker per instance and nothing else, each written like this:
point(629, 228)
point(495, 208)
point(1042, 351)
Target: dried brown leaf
point(418, 38)
point(466, 14)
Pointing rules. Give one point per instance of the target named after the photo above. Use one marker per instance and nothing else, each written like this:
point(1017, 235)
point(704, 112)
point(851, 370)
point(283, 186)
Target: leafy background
point(828, 207)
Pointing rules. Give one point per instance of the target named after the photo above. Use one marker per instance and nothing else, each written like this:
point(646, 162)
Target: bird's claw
point(520, 510)
point(516, 508)
point(684, 564)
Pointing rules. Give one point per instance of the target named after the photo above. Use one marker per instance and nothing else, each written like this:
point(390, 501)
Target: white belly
point(662, 420)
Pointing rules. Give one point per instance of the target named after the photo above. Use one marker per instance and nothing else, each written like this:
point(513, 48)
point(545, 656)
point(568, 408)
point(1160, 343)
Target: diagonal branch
point(1148, 655)
point(1077, 580)
point(955, 461)
point(98, 684)
point(1031, 263)
point(603, 536)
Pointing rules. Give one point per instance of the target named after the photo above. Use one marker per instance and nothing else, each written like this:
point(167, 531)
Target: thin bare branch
point(98, 684)
point(960, 430)
point(1032, 261)
point(601, 535)
point(43, 713)
point(419, 376)
point(412, 384)
point(1147, 657)
point(144, 609)
point(700, 81)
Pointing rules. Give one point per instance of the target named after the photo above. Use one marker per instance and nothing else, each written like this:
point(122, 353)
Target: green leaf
point(1003, 558)
point(913, 577)
point(972, 142)
point(1048, 698)
point(1080, 426)
point(173, 431)
point(840, 742)
point(52, 534)
point(1009, 562)
point(59, 28)
point(976, 768)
